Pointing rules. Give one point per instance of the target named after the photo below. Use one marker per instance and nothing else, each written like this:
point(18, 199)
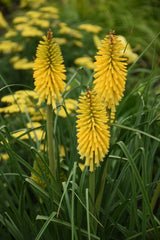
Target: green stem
point(92, 186)
point(155, 196)
point(92, 193)
point(101, 189)
point(52, 163)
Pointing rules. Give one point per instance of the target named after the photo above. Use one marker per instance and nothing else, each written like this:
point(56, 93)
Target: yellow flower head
point(92, 129)
point(49, 70)
point(110, 70)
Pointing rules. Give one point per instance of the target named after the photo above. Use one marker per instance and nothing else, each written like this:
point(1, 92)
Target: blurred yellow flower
point(90, 28)
point(8, 99)
point(131, 56)
point(39, 115)
point(21, 26)
point(39, 22)
point(10, 33)
point(92, 129)
point(33, 124)
point(3, 22)
point(10, 109)
point(21, 100)
point(62, 24)
point(26, 94)
point(49, 71)
point(31, 32)
point(22, 64)
point(21, 134)
point(85, 62)
point(64, 29)
point(61, 41)
point(96, 40)
point(31, 3)
point(30, 132)
point(4, 156)
point(14, 59)
point(49, 9)
point(46, 15)
point(69, 105)
point(36, 133)
point(7, 46)
point(34, 14)
point(78, 43)
point(62, 153)
point(20, 19)
point(110, 68)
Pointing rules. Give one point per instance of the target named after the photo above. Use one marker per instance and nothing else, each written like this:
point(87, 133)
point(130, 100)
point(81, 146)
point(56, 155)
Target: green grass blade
point(145, 50)
point(74, 233)
point(11, 226)
point(136, 130)
point(67, 224)
point(45, 225)
point(88, 218)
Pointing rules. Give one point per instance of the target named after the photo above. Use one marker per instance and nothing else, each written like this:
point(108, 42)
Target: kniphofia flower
point(49, 70)
point(110, 68)
point(92, 129)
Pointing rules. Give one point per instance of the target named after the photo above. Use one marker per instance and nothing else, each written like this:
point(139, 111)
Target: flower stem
point(92, 186)
point(92, 193)
point(101, 189)
point(52, 163)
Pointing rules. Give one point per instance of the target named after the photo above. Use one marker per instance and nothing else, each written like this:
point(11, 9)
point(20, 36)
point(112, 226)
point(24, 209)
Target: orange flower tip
point(49, 34)
point(112, 32)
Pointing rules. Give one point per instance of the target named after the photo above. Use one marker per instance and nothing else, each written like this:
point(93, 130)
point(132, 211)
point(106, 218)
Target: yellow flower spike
point(110, 68)
point(92, 129)
point(49, 71)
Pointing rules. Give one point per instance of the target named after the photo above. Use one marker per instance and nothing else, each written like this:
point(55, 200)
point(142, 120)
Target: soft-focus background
point(78, 26)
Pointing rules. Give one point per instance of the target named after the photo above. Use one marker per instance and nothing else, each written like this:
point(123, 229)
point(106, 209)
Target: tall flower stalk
point(110, 68)
point(49, 84)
